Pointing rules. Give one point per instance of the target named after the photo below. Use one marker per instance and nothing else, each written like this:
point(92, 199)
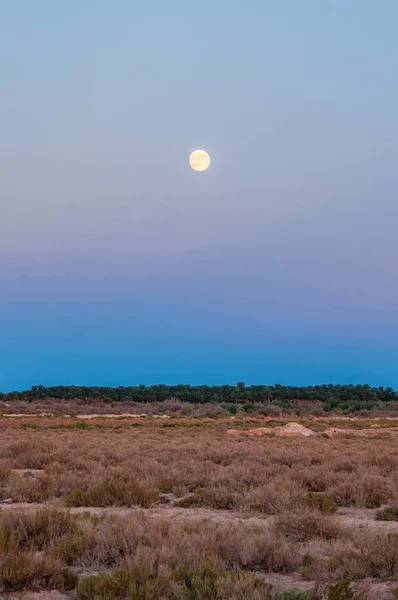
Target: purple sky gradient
point(120, 265)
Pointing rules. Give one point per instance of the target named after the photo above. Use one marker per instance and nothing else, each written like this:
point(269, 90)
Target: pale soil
point(352, 518)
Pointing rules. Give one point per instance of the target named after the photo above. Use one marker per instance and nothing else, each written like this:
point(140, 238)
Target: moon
point(200, 160)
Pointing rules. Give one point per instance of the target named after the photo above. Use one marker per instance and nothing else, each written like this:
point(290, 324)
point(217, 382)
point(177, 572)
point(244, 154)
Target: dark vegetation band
point(239, 393)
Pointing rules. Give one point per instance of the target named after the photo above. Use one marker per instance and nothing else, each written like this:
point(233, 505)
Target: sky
point(120, 265)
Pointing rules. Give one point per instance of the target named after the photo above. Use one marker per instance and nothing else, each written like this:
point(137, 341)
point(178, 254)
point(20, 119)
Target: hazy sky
point(121, 265)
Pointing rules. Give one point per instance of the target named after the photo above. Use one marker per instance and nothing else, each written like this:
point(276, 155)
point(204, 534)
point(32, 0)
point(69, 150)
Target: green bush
point(139, 583)
point(387, 514)
point(340, 590)
point(136, 583)
point(202, 585)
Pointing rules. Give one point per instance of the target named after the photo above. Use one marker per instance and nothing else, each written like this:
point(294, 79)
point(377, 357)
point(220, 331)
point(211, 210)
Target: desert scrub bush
point(28, 489)
point(274, 497)
point(244, 586)
point(137, 583)
point(207, 584)
point(4, 474)
point(340, 590)
point(201, 585)
point(311, 565)
point(118, 490)
point(37, 531)
point(301, 527)
point(232, 546)
point(55, 533)
point(257, 550)
point(322, 502)
point(390, 513)
point(372, 556)
point(25, 569)
point(375, 499)
point(29, 453)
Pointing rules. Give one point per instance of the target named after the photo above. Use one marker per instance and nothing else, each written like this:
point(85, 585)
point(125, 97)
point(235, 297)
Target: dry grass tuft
point(305, 525)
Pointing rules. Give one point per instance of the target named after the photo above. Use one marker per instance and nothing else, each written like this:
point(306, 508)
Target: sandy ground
point(354, 518)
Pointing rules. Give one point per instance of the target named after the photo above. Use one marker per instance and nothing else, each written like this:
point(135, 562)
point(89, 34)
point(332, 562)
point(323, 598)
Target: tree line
point(239, 393)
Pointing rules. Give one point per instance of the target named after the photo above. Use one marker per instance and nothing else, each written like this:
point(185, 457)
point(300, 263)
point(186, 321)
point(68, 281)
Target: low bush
point(322, 502)
point(340, 590)
point(301, 527)
point(139, 583)
point(387, 514)
point(25, 569)
point(37, 531)
point(113, 491)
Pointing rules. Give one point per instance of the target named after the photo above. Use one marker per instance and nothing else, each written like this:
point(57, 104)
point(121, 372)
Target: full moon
point(199, 160)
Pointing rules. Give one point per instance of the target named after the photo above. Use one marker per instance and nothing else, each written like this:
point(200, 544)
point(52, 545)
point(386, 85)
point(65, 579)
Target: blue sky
point(120, 265)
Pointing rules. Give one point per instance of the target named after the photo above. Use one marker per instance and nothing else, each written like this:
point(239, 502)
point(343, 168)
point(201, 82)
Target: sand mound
point(291, 429)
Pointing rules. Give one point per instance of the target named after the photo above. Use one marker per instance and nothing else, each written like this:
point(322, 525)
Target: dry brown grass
point(305, 525)
point(297, 482)
point(198, 465)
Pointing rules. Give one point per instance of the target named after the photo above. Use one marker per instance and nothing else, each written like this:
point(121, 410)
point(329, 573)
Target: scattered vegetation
point(298, 482)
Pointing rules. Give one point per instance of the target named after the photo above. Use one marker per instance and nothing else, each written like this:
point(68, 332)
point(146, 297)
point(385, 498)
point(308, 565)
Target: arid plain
point(192, 508)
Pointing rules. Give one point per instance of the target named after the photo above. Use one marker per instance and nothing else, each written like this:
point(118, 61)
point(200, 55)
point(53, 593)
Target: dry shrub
point(28, 489)
point(26, 569)
point(4, 474)
point(113, 491)
point(321, 502)
point(140, 583)
point(315, 477)
point(164, 542)
point(136, 583)
point(35, 531)
point(258, 549)
point(221, 472)
point(305, 525)
point(274, 497)
point(31, 453)
point(372, 556)
point(365, 489)
point(243, 586)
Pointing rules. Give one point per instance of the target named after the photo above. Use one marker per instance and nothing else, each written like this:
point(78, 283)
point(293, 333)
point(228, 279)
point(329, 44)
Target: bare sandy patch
point(290, 430)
